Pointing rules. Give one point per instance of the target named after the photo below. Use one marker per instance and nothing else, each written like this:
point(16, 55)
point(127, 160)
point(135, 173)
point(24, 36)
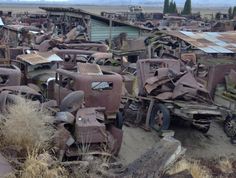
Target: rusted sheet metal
point(181, 90)
point(189, 58)
point(18, 28)
point(216, 75)
point(116, 141)
point(100, 55)
point(22, 89)
point(164, 96)
point(10, 75)
point(73, 51)
point(99, 89)
point(87, 128)
point(72, 56)
point(209, 42)
point(87, 46)
point(147, 68)
point(62, 140)
point(165, 81)
point(232, 75)
point(89, 69)
point(189, 81)
point(5, 167)
point(39, 58)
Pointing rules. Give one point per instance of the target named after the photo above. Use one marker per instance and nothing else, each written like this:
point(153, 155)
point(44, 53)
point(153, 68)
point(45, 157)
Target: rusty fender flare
point(72, 101)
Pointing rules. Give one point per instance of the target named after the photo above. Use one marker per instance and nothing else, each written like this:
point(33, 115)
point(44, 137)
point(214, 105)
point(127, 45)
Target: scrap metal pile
point(225, 95)
point(72, 78)
point(171, 83)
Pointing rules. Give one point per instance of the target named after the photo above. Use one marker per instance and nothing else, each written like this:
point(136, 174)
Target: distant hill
point(208, 3)
point(180, 3)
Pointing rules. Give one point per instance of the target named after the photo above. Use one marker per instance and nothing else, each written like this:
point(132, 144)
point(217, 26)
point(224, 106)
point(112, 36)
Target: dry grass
point(39, 166)
point(193, 167)
point(225, 165)
point(26, 126)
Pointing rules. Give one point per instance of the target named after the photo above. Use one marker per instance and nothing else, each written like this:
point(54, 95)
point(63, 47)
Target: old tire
point(160, 117)
point(119, 120)
point(230, 127)
point(202, 124)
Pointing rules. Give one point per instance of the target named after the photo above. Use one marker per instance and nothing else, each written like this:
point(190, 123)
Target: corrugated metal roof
point(39, 58)
point(209, 42)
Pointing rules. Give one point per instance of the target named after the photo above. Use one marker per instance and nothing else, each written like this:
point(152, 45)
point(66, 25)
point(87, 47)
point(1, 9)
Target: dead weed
point(193, 166)
point(39, 166)
point(26, 125)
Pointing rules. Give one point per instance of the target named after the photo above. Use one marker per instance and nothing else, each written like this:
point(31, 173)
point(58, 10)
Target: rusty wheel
point(230, 127)
point(160, 117)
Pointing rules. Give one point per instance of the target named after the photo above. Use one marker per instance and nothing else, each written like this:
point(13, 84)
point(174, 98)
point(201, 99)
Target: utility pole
point(110, 31)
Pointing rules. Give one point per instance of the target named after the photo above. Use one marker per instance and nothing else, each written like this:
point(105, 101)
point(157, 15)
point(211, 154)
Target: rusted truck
point(99, 121)
point(102, 89)
point(167, 91)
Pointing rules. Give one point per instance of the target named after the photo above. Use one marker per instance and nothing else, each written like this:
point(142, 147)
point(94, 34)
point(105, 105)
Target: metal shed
point(101, 31)
point(98, 27)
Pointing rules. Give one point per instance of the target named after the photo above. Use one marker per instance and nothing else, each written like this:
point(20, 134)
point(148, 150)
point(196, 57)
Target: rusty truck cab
point(102, 89)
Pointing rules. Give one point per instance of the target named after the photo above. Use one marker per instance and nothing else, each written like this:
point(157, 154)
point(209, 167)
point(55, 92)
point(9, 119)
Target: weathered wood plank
point(154, 162)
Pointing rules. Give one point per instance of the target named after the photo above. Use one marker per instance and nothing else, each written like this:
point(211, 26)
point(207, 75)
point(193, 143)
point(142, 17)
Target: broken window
point(68, 83)
point(65, 81)
point(3, 79)
point(3, 53)
point(154, 66)
point(102, 85)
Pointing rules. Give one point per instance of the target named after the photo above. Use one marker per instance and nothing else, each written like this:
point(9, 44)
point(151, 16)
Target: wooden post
point(110, 32)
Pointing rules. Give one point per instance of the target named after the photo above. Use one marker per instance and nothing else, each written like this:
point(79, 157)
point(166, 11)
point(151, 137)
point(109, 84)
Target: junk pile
point(80, 139)
point(167, 89)
point(170, 84)
point(225, 95)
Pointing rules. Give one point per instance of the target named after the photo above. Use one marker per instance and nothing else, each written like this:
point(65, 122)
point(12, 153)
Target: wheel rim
point(158, 120)
point(230, 128)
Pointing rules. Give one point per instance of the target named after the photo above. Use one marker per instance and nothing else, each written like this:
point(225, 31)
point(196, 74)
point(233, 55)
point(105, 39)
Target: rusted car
point(102, 89)
point(10, 75)
point(72, 56)
point(99, 47)
point(166, 91)
point(37, 68)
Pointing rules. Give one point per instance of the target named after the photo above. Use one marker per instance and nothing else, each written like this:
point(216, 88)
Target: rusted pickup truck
point(102, 89)
point(167, 90)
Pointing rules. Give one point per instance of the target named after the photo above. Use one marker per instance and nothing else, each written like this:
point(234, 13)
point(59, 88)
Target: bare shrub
point(225, 165)
point(26, 126)
point(39, 166)
point(193, 166)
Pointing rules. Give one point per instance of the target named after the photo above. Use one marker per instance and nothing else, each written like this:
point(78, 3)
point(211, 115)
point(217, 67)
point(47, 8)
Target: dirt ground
point(207, 155)
point(136, 142)
point(214, 144)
